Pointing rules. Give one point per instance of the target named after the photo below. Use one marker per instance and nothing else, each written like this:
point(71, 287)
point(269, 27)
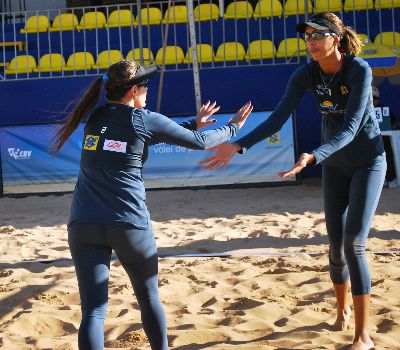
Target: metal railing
point(227, 36)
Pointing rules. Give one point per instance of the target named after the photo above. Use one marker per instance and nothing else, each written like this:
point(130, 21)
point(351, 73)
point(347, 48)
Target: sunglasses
point(317, 35)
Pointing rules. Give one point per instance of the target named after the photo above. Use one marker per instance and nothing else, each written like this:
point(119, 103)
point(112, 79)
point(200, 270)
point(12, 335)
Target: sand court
point(267, 288)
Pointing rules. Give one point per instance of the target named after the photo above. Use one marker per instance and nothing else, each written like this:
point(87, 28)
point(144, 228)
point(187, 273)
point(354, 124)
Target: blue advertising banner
point(175, 166)
point(26, 160)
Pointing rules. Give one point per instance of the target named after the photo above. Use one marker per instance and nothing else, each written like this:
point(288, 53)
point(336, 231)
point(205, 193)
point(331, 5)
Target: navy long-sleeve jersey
point(115, 146)
point(350, 133)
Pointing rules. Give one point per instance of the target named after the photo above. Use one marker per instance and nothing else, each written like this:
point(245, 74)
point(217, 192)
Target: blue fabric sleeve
point(159, 128)
point(298, 84)
point(360, 83)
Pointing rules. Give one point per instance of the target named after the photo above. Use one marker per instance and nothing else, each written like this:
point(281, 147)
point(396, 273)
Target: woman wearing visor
point(108, 209)
point(352, 156)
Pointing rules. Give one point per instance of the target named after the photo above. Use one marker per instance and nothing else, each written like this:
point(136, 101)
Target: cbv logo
point(17, 153)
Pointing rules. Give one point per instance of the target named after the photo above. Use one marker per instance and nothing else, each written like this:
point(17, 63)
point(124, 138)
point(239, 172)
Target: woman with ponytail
point(108, 209)
point(352, 156)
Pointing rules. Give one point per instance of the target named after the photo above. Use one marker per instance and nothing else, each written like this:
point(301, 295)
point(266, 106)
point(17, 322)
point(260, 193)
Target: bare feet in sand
point(342, 320)
point(362, 345)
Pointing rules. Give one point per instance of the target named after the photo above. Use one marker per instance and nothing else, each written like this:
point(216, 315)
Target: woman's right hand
point(241, 115)
point(221, 157)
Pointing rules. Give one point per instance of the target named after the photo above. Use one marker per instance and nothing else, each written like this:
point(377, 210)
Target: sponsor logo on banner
point(18, 154)
point(91, 142)
point(114, 146)
point(274, 139)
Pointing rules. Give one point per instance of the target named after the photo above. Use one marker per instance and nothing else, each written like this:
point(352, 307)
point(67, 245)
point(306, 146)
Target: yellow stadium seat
point(291, 47)
point(268, 8)
point(148, 57)
point(260, 49)
point(149, 16)
point(79, 61)
point(120, 18)
point(386, 4)
point(294, 7)
point(205, 54)
point(357, 5)
point(92, 20)
point(173, 55)
point(36, 24)
point(388, 38)
point(230, 51)
point(21, 64)
point(238, 9)
point(177, 14)
point(51, 62)
point(64, 22)
point(106, 58)
point(328, 6)
point(206, 12)
point(364, 38)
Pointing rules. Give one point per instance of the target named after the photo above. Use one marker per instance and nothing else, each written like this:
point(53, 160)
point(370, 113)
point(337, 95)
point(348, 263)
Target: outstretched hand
point(304, 160)
point(226, 151)
point(241, 115)
point(221, 157)
point(205, 112)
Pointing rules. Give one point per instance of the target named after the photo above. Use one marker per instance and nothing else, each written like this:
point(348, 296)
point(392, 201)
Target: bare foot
point(361, 345)
point(342, 320)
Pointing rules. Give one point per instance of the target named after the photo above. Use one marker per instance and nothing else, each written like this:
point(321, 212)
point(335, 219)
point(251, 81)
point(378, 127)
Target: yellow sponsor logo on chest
point(91, 142)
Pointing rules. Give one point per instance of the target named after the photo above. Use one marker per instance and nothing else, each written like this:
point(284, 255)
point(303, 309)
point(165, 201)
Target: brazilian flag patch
point(91, 142)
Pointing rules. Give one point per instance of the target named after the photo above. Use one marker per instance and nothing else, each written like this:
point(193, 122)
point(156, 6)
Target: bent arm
point(295, 90)
point(159, 128)
point(360, 83)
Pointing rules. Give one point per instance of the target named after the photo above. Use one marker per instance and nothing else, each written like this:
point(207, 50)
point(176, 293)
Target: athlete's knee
point(354, 247)
point(336, 258)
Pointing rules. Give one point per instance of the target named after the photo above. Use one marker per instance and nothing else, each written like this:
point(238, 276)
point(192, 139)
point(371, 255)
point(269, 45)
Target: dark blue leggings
point(91, 246)
point(351, 196)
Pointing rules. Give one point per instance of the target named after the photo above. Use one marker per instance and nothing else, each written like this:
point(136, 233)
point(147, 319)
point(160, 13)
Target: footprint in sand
point(183, 327)
point(231, 321)
point(49, 298)
point(282, 322)
point(206, 312)
point(6, 273)
point(386, 326)
point(210, 302)
point(257, 234)
point(384, 311)
point(244, 304)
point(7, 229)
point(375, 283)
point(129, 340)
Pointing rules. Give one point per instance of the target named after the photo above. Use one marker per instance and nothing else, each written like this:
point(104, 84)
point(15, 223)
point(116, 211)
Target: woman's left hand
point(205, 112)
point(304, 160)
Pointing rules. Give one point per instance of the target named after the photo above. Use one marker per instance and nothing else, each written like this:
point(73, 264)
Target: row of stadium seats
point(203, 12)
point(230, 51)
